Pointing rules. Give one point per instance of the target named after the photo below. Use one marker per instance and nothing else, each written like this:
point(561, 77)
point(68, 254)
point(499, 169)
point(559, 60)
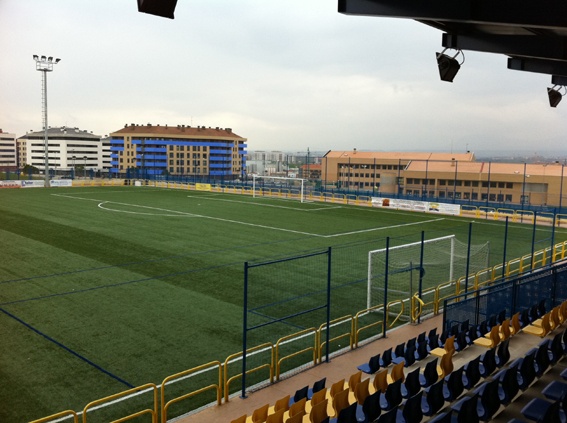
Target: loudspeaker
point(164, 8)
point(448, 67)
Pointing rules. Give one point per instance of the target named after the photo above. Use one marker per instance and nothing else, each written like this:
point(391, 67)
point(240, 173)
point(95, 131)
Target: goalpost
point(296, 183)
point(444, 260)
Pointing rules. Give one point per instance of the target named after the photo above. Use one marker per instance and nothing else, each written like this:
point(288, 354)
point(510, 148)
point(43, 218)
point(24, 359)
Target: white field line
point(206, 197)
point(179, 213)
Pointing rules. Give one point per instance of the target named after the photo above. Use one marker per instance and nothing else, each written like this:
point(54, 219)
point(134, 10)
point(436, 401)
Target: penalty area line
point(384, 228)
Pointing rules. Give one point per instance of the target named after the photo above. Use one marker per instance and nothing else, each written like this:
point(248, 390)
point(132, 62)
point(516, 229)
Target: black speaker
point(164, 8)
point(554, 97)
point(448, 67)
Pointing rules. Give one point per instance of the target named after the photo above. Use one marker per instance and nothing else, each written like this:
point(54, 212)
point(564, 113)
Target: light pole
point(45, 65)
point(85, 168)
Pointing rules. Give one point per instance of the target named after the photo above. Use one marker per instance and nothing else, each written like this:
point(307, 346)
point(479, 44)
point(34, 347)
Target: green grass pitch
point(111, 287)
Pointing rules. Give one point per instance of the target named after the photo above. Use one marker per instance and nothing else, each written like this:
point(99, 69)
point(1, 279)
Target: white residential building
point(68, 148)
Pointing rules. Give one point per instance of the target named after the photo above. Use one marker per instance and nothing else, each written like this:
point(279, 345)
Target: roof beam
point(550, 67)
point(536, 46)
point(524, 13)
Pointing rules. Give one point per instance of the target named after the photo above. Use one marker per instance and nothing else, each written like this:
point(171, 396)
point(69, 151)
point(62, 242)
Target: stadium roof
point(179, 130)
point(532, 33)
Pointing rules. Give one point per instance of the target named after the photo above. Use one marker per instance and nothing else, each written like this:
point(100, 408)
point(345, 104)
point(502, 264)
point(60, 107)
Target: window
point(475, 183)
point(509, 185)
point(509, 197)
point(467, 183)
point(501, 185)
point(442, 182)
point(484, 184)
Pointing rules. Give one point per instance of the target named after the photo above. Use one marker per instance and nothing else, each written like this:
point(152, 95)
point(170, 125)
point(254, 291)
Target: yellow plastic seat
point(340, 401)
point(397, 373)
point(380, 381)
point(445, 367)
point(448, 347)
point(492, 340)
point(540, 331)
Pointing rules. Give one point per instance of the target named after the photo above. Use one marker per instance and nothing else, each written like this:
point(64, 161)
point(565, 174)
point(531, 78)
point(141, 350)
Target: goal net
point(278, 186)
point(444, 260)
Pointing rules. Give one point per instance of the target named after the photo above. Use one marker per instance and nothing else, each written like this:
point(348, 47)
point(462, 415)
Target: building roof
point(404, 156)
point(535, 169)
point(62, 133)
point(187, 131)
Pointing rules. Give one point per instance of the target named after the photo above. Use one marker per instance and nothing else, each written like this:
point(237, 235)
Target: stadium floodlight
point(554, 95)
point(45, 65)
point(448, 66)
point(163, 8)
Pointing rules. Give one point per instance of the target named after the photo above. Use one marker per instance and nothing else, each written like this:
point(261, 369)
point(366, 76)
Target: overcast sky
point(286, 74)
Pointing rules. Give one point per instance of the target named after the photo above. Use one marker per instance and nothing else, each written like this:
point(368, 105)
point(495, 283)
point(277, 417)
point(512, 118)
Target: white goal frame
point(254, 177)
point(398, 247)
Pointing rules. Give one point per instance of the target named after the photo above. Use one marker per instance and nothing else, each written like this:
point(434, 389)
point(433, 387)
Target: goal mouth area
point(297, 185)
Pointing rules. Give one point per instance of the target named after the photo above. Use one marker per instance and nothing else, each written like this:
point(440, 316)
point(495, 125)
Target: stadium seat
point(488, 363)
point(337, 387)
point(421, 352)
point(317, 397)
point(299, 395)
point(466, 409)
point(354, 380)
point(411, 411)
point(386, 358)
point(472, 373)
point(411, 385)
point(399, 351)
point(380, 381)
point(318, 412)
point(429, 375)
point(490, 341)
point(260, 414)
point(371, 409)
point(555, 349)
point(340, 401)
point(489, 400)
point(555, 390)
point(298, 418)
point(241, 419)
point(397, 373)
point(347, 414)
point(453, 387)
point(298, 408)
point(540, 331)
point(433, 400)
point(392, 397)
point(508, 388)
point(317, 386)
point(541, 359)
point(540, 410)
point(445, 365)
point(361, 391)
point(281, 404)
point(372, 366)
point(515, 326)
point(276, 417)
point(526, 369)
point(503, 353)
point(448, 347)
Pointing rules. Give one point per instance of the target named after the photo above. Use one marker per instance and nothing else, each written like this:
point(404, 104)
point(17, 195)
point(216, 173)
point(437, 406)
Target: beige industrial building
point(452, 176)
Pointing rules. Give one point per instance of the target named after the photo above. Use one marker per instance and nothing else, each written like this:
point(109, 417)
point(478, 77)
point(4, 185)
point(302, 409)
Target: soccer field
point(106, 288)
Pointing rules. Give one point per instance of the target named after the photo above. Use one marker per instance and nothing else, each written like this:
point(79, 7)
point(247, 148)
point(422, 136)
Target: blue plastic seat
point(503, 353)
point(317, 386)
point(555, 390)
point(508, 388)
point(433, 400)
point(465, 410)
point(392, 397)
point(411, 411)
point(488, 363)
point(446, 417)
point(472, 375)
point(453, 387)
point(388, 417)
point(411, 385)
point(372, 366)
point(421, 351)
point(489, 400)
point(386, 358)
point(540, 410)
point(429, 375)
point(370, 409)
point(526, 370)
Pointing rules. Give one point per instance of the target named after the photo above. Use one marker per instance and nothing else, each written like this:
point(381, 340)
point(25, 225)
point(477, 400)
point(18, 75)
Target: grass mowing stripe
point(69, 350)
point(80, 291)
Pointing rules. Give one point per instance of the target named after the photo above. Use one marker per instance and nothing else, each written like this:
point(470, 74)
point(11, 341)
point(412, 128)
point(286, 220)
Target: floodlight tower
point(44, 65)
